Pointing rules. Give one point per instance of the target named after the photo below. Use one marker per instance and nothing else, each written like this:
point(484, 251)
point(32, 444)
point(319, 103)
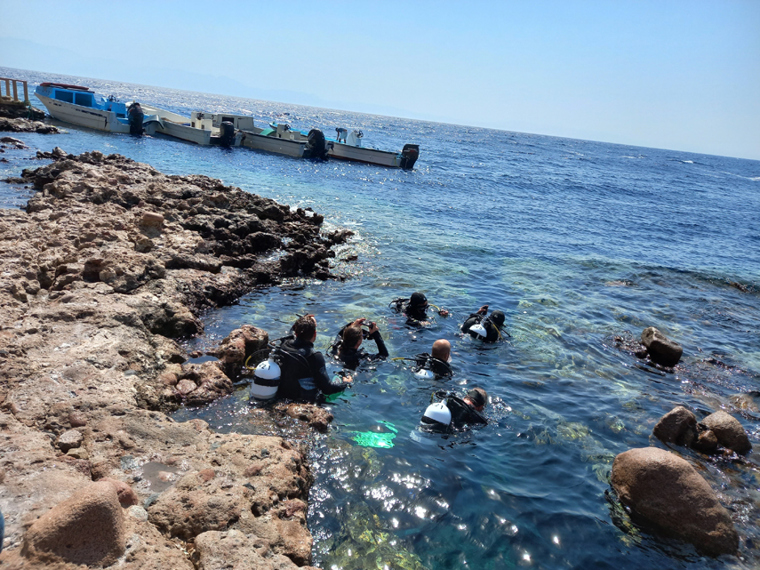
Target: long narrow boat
point(203, 128)
point(281, 139)
point(83, 107)
point(348, 146)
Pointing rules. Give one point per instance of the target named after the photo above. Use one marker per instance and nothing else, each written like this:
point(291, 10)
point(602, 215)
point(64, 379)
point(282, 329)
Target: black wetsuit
point(303, 372)
point(492, 332)
point(438, 367)
point(352, 357)
point(463, 413)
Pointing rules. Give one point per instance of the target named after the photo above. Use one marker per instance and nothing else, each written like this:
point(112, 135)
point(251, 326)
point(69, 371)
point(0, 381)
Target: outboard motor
point(437, 416)
point(136, 117)
point(316, 146)
point(227, 134)
point(409, 155)
point(266, 380)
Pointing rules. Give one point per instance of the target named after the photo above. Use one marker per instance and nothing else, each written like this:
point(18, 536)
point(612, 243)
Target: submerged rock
point(668, 493)
point(661, 349)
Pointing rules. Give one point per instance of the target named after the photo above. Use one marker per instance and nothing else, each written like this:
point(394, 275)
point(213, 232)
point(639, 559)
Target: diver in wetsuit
point(303, 370)
point(490, 327)
point(415, 309)
point(455, 413)
point(349, 350)
point(436, 364)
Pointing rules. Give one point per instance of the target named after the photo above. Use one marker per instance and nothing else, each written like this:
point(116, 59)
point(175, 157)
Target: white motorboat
point(281, 139)
point(203, 128)
point(348, 146)
point(83, 107)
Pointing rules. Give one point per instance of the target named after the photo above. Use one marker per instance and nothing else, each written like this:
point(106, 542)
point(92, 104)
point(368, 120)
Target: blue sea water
point(576, 242)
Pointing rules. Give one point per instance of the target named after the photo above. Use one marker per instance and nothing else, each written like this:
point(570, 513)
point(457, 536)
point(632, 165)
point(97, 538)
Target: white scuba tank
point(479, 330)
point(437, 415)
point(266, 380)
point(425, 374)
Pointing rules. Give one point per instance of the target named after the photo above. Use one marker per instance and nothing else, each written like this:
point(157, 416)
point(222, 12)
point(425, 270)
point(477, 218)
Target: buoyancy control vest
point(430, 367)
point(449, 413)
point(294, 366)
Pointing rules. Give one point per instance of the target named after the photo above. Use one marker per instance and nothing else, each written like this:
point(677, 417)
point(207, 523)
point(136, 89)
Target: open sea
point(577, 242)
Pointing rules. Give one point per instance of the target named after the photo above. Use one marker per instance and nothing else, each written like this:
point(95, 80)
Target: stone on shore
point(667, 492)
point(86, 529)
point(729, 431)
point(238, 346)
point(235, 550)
point(661, 349)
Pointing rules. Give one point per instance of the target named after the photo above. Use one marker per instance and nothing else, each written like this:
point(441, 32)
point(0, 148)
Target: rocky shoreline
point(111, 262)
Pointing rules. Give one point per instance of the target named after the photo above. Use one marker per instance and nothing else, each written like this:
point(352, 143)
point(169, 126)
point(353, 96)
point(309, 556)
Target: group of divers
point(294, 370)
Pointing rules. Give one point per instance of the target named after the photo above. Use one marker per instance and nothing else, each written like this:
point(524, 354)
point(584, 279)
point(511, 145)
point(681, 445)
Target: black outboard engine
point(316, 146)
point(136, 116)
point(409, 156)
point(227, 133)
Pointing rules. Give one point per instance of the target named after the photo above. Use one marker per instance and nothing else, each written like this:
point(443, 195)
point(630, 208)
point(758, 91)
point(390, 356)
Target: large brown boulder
point(729, 431)
point(661, 349)
point(87, 528)
point(668, 493)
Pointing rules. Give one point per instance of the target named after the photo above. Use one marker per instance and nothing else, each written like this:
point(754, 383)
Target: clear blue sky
point(673, 74)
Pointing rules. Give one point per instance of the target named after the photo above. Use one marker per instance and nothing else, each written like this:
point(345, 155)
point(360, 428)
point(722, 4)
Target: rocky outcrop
point(666, 492)
point(111, 262)
point(26, 126)
point(238, 346)
point(18, 110)
point(661, 349)
point(680, 426)
point(729, 432)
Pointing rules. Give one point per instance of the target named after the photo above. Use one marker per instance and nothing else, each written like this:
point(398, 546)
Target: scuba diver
point(454, 413)
point(303, 370)
point(487, 329)
point(347, 346)
point(434, 366)
point(415, 309)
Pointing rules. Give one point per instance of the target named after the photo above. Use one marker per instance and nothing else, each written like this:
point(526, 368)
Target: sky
point(673, 74)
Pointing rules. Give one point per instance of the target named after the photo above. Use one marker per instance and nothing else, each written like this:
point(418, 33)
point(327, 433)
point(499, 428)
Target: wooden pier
point(12, 89)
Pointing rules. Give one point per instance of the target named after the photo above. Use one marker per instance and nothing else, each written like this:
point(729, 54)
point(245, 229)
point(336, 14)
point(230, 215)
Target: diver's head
point(418, 301)
point(352, 336)
point(306, 328)
point(477, 398)
point(441, 350)
point(497, 318)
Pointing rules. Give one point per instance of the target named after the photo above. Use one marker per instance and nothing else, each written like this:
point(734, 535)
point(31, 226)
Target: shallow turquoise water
point(576, 241)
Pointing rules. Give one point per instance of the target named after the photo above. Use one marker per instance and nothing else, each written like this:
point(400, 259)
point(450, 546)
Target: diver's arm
point(382, 351)
point(321, 379)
